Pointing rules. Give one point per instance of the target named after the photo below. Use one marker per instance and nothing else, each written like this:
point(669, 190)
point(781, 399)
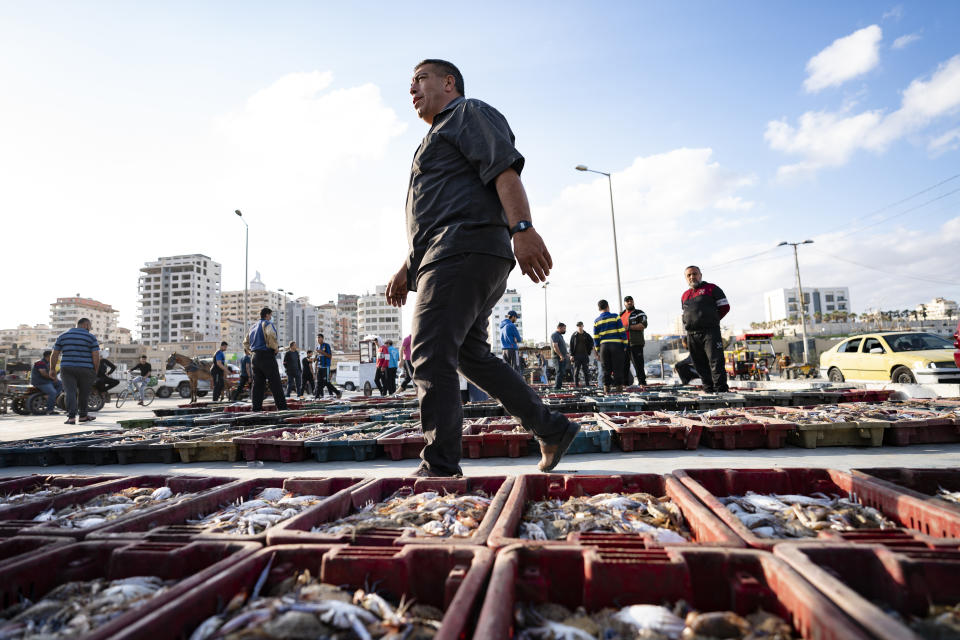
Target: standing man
point(558, 346)
point(78, 368)
point(246, 374)
point(405, 363)
point(42, 379)
point(219, 371)
point(383, 359)
point(324, 356)
point(291, 363)
point(306, 367)
point(704, 304)
point(510, 340)
point(611, 340)
point(634, 321)
point(392, 363)
point(581, 346)
point(262, 343)
point(104, 382)
point(140, 381)
point(464, 203)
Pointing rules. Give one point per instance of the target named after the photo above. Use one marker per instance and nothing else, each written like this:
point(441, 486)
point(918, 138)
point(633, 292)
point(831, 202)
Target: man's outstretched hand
point(532, 255)
point(397, 288)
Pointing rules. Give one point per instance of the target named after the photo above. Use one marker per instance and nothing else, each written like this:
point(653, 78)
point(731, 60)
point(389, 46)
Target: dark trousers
point(512, 358)
point(581, 364)
point(706, 349)
point(265, 370)
point(611, 355)
point(454, 299)
point(323, 382)
point(307, 382)
point(103, 384)
point(634, 354)
point(407, 375)
point(217, 386)
point(391, 380)
point(241, 383)
point(380, 379)
point(77, 383)
point(560, 367)
point(686, 370)
point(293, 382)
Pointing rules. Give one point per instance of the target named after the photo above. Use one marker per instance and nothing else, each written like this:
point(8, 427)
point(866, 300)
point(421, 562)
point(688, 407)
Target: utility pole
point(803, 309)
point(546, 334)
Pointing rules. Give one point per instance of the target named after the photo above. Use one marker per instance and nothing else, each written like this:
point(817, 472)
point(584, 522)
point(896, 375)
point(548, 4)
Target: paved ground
point(14, 427)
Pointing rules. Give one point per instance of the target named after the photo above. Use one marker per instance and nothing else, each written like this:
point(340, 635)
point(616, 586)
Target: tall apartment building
point(179, 299)
point(258, 297)
point(327, 324)
point(24, 336)
point(346, 338)
point(65, 312)
point(376, 317)
point(510, 300)
point(781, 304)
point(300, 323)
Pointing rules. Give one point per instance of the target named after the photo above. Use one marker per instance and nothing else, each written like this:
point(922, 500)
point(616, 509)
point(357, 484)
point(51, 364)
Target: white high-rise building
point(65, 312)
point(179, 300)
point(345, 337)
point(301, 323)
point(258, 297)
point(782, 304)
point(327, 324)
point(510, 300)
point(376, 317)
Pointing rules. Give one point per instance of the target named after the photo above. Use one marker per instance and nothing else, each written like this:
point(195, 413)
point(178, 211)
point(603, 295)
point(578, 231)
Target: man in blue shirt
point(393, 362)
point(510, 339)
point(262, 343)
point(219, 371)
point(78, 352)
point(246, 374)
point(611, 341)
point(324, 353)
point(42, 379)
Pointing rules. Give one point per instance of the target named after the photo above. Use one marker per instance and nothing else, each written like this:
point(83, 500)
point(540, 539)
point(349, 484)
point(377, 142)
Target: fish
point(942, 622)
point(269, 507)
point(108, 506)
point(43, 490)
point(950, 496)
point(426, 514)
point(556, 519)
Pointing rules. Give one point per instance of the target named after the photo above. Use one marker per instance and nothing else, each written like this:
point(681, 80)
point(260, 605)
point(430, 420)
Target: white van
point(352, 375)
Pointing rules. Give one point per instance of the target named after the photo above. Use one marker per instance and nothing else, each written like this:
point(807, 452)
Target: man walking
point(558, 347)
point(219, 371)
point(510, 340)
point(704, 304)
point(42, 379)
point(324, 355)
point(306, 375)
point(405, 363)
point(291, 363)
point(581, 346)
point(392, 363)
point(246, 374)
point(634, 321)
point(262, 343)
point(464, 202)
point(140, 381)
point(611, 340)
point(80, 362)
point(383, 359)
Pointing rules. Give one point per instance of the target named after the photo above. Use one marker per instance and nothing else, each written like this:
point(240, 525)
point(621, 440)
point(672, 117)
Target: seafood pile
point(44, 490)
point(303, 607)
point(109, 506)
point(77, 608)
point(950, 496)
point(725, 416)
point(797, 516)
point(251, 517)
point(648, 621)
point(309, 432)
point(423, 515)
point(942, 623)
point(607, 513)
point(349, 437)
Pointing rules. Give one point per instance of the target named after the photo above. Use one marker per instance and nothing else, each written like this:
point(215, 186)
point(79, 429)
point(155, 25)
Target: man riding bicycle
point(143, 377)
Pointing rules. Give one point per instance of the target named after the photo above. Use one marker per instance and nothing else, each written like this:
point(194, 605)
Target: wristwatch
point(523, 225)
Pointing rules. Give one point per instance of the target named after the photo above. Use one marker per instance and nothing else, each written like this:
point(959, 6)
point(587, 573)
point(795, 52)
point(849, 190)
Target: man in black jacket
point(581, 346)
point(104, 382)
point(291, 363)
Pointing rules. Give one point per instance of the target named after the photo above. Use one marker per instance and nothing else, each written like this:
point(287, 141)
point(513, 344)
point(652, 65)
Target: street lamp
point(546, 335)
point(246, 266)
point(803, 309)
point(613, 223)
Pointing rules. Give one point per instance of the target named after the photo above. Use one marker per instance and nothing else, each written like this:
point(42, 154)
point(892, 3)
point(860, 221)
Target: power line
point(897, 215)
point(892, 273)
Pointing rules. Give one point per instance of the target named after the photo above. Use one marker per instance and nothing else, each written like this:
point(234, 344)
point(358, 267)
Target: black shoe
point(424, 472)
point(552, 453)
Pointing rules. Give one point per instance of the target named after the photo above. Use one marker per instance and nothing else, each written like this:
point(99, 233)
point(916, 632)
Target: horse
point(196, 370)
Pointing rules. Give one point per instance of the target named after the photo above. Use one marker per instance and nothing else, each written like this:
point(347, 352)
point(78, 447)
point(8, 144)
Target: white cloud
point(845, 58)
point(825, 138)
point(895, 12)
point(949, 141)
point(905, 40)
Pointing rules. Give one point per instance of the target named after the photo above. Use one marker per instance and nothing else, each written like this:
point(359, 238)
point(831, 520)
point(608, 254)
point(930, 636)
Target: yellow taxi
point(898, 356)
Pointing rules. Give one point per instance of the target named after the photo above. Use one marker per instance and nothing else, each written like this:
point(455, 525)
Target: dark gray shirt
point(452, 202)
point(557, 339)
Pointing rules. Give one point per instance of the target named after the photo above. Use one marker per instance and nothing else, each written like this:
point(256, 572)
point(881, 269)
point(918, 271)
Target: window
point(851, 346)
point(829, 297)
point(872, 343)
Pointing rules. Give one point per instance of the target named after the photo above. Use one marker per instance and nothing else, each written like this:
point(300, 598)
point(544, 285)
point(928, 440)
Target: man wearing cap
point(510, 339)
point(581, 346)
point(465, 202)
point(634, 321)
point(262, 343)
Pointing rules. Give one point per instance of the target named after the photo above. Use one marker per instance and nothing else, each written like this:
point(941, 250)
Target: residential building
point(510, 300)
point(65, 312)
point(376, 317)
point(327, 324)
point(258, 297)
point(300, 323)
point(346, 338)
point(818, 302)
point(39, 336)
point(179, 299)
point(937, 309)
point(232, 331)
point(124, 335)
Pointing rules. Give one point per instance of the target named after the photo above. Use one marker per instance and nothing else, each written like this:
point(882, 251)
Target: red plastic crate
point(13, 549)
point(705, 527)
point(18, 520)
point(917, 484)
point(309, 419)
point(403, 445)
point(25, 483)
point(931, 430)
point(763, 432)
point(920, 523)
point(170, 523)
point(267, 445)
point(495, 441)
point(449, 578)
point(665, 432)
point(736, 580)
point(864, 581)
point(192, 563)
point(344, 504)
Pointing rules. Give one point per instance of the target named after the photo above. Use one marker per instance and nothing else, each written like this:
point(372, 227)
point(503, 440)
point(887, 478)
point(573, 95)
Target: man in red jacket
point(704, 304)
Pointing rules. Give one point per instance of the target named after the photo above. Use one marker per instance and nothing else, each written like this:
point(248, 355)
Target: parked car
point(899, 356)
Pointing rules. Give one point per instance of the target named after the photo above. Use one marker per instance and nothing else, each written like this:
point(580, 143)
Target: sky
point(130, 131)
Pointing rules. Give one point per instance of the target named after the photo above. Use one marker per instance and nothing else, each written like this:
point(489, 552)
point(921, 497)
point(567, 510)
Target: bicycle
point(131, 391)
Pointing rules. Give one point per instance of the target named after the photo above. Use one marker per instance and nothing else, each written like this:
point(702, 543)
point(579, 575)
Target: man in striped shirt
point(78, 352)
point(611, 340)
